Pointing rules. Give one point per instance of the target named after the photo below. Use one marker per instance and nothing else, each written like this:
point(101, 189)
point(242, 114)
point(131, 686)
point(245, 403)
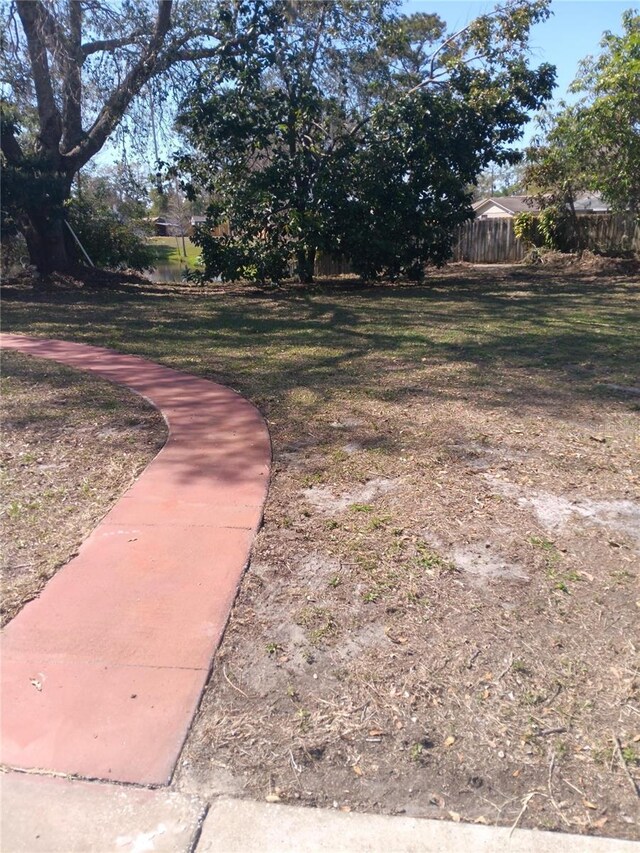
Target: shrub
point(108, 241)
point(548, 229)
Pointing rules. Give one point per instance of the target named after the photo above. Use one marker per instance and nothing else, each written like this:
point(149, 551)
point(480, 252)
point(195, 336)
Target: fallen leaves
point(398, 640)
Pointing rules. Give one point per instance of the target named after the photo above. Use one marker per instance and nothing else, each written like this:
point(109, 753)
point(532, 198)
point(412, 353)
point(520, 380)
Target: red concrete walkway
point(102, 674)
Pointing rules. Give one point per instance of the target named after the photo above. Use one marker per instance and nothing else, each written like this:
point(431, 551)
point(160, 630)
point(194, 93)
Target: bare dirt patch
point(71, 445)
point(444, 619)
point(452, 645)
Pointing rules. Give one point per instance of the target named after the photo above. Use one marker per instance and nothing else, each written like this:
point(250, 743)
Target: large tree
point(73, 69)
point(358, 130)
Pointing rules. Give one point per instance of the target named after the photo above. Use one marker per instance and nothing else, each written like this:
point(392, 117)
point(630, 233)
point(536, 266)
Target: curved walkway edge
point(103, 672)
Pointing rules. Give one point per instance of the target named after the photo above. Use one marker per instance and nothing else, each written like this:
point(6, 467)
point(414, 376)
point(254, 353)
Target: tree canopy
point(73, 69)
point(595, 144)
point(353, 129)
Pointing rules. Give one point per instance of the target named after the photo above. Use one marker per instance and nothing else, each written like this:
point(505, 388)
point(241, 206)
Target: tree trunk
point(48, 241)
point(306, 260)
point(47, 244)
point(577, 226)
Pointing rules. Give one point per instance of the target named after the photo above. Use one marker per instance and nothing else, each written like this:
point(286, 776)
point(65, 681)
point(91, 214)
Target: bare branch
point(189, 56)
point(53, 35)
point(105, 45)
point(48, 114)
point(115, 107)
point(72, 82)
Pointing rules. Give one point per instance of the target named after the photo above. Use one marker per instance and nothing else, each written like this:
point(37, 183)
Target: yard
point(440, 617)
point(170, 257)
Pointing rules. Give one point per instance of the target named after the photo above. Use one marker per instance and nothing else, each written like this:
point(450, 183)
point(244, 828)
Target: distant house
point(502, 207)
point(163, 227)
point(216, 231)
point(591, 203)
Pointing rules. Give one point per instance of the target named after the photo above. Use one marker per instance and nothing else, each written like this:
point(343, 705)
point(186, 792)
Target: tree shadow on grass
point(572, 334)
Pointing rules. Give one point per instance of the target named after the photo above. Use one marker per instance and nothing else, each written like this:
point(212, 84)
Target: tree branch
point(48, 114)
point(104, 45)
point(72, 82)
point(54, 36)
point(117, 104)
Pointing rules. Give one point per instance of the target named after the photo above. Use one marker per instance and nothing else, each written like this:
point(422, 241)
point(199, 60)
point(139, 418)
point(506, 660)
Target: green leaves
point(595, 145)
point(356, 131)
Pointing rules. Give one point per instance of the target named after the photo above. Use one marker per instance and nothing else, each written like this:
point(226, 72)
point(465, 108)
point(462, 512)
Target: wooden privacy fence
point(611, 233)
point(493, 241)
point(332, 265)
point(488, 241)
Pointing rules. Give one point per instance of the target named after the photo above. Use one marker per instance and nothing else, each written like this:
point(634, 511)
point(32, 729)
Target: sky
point(572, 32)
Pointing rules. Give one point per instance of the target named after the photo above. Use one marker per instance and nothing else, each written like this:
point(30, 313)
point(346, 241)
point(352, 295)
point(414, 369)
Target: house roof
point(591, 202)
point(513, 204)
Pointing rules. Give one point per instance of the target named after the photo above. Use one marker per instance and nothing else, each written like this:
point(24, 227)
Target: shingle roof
point(511, 203)
point(585, 202)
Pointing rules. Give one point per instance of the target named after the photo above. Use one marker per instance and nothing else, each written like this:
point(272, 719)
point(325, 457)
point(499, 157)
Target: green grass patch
point(170, 250)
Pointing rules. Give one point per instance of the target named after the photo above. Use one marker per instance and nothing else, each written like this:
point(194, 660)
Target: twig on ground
point(558, 730)
point(525, 802)
point(550, 788)
point(508, 667)
point(575, 788)
point(228, 680)
point(472, 658)
point(632, 781)
point(293, 763)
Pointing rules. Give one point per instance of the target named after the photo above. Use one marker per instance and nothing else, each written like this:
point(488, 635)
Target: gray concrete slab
point(44, 814)
point(241, 826)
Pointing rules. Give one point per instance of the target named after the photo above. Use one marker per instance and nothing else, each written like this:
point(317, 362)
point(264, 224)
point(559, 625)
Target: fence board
point(488, 241)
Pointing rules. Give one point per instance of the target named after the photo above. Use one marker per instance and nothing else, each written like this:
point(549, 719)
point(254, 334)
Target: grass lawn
point(167, 251)
point(440, 617)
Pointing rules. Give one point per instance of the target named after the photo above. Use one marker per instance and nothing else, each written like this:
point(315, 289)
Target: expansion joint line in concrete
point(103, 672)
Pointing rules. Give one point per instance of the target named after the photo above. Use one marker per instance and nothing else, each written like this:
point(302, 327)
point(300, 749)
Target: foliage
point(108, 241)
point(74, 69)
point(121, 187)
point(525, 227)
point(356, 131)
point(229, 258)
point(496, 181)
point(610, 115)
point(549, 229)
point(595, 144)
point(553, 225)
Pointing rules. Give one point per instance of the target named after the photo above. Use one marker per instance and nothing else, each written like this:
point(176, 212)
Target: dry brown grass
point(71, 445)
point(440, 615)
